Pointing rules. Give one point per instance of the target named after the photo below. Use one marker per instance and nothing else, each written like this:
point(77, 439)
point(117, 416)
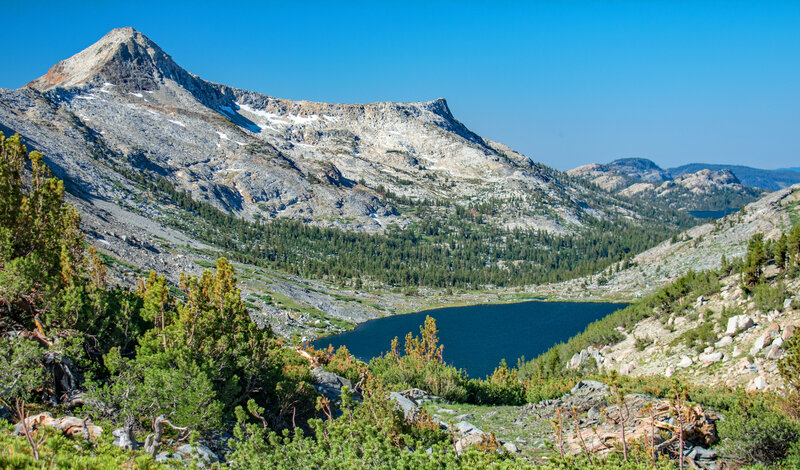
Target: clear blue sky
point(566, 83)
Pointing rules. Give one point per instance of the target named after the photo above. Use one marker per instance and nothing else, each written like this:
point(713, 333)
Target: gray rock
point(738, 323)
point(198, 451)
point(466, 428)
point(711, 357)
point(511, 447)
point(407, 406)
point(724, 341)
point(686, 361)
point(586, 387)
point(329, 384)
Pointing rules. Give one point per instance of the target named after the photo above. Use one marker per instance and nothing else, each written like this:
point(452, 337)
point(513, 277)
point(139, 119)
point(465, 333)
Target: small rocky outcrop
point(465, 433)
point(597, 422)
point(329, 385)
point(69, 425)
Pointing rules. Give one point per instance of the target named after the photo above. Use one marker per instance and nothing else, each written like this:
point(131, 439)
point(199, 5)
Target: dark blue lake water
point(476, 338)
point(712, 214)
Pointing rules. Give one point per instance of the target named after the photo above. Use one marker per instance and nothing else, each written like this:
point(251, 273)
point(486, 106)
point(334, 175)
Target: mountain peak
point(124, 57)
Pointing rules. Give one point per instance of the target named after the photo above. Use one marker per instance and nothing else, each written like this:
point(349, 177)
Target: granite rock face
point(123, 103)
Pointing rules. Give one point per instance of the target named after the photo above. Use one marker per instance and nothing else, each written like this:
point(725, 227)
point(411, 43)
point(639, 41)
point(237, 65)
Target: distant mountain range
point(640, 178)
point(771, 180)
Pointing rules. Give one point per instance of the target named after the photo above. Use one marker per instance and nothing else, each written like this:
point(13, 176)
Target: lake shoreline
point(477, 337)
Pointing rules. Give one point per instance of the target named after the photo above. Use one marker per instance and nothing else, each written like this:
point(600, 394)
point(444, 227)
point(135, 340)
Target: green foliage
point(699, 337)
point(61, 452)
point(140, 390)
point(374, 434)
point(768, 297)
point(41, 249)
point(789, 365)
point(450, 246)
point(756, 430)
point(21, 369)
point(503, 387)
point(754, 260)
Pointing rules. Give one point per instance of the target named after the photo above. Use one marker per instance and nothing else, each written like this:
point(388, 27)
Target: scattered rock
point(762, 342)
point(407, 406)
point(775, 352)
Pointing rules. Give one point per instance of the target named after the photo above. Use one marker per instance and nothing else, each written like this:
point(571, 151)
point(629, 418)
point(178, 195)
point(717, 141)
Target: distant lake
point(477, 337)
point(712, 214)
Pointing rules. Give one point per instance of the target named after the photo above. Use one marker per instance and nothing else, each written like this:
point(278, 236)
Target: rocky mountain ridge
point(770, 180)
point(642, 178)
point(263, 157)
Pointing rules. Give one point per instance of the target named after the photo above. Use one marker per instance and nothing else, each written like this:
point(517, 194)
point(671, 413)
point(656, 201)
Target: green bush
point(770, 297)
point(755, 429)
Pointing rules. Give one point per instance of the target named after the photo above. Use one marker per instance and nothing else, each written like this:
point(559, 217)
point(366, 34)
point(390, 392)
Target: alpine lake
point(477, 337)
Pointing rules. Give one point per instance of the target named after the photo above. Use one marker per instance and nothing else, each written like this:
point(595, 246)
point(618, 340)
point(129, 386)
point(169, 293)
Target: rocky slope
point(641, 178)
point(126, 100)
point(697, 249)
point(729, 336)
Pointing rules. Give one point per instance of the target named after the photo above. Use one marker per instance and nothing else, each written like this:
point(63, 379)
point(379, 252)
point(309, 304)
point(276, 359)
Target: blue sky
point(566, 83)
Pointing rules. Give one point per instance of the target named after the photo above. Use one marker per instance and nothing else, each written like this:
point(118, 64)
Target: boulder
point(686, 361)
point(198, 452)
point(788, 332)
point(724, 341)
point(738, 323)
point(775, 352)
point(407, 406)
point(69, 425)
point(469, 440)
point(586, 387)
point(466, 428)
point(510, 447)
point(329, 384)
point(762, 342)
point(787, 304)
point(710, 357)
point(759, 383)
